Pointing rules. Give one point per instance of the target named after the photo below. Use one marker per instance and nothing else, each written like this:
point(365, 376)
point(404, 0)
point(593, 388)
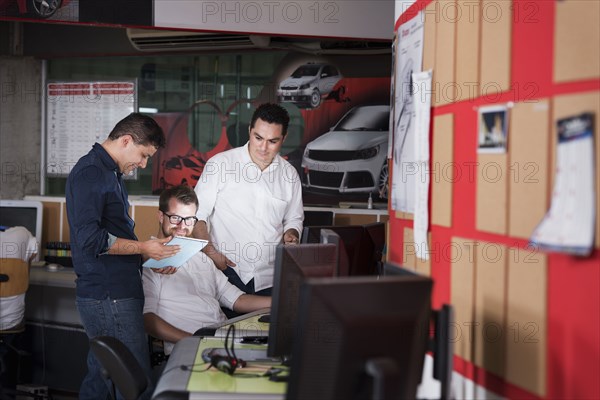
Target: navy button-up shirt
point(97, 208)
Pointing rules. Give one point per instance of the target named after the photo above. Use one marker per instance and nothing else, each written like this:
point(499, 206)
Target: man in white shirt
point(251, 201)
point(15, 242)
point(178, 304)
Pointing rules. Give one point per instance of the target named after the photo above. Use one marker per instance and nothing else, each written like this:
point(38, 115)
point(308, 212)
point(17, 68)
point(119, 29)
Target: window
point(172, 84)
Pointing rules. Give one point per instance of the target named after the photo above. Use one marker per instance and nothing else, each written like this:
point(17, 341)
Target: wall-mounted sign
point(80, 114)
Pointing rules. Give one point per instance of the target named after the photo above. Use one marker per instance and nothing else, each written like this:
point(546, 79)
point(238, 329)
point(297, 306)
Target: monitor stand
point(386, 375)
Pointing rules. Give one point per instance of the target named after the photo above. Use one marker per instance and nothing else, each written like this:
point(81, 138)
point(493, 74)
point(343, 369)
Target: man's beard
point(130, 169)
point(172, 232)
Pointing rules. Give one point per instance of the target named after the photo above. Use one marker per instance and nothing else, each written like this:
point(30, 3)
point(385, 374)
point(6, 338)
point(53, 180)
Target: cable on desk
point(186, 368)
point(191, 368)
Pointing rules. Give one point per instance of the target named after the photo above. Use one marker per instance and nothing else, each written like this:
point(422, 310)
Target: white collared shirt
point(248, 210)
point(191, 298)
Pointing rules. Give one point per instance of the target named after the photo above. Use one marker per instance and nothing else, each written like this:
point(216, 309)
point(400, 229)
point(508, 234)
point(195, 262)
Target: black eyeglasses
point(176, 219)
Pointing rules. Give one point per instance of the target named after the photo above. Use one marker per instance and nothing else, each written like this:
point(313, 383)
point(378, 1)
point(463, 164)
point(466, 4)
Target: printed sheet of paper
point(188, 248)
point(409, 59)
point(493, 129)
point(569, 224)
point(80, 114)
point(422, 102)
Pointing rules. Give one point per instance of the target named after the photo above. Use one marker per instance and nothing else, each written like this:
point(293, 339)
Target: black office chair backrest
point(14, 276)
point(120, 366)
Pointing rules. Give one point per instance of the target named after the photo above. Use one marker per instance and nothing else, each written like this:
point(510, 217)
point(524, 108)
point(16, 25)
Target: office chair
point(156, 348)
point(14, 276)
point(120, 366)
point(14, 280)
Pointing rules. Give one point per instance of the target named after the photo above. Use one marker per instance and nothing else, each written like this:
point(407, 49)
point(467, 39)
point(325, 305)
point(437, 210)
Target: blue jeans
point(122, 319)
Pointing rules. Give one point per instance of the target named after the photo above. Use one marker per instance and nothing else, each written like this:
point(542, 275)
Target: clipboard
point(188, 248)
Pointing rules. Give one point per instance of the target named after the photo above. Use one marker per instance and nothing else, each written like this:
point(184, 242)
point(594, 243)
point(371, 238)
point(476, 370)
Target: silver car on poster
point(308, 84)
point(352, 156)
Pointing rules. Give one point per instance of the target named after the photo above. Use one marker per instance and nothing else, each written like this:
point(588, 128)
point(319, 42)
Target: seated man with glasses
point(178, 304)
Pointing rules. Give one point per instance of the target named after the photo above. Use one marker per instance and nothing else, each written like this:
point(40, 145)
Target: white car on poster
point(352, 156)
point(308, 84)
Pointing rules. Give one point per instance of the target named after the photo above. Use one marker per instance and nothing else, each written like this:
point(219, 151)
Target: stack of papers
point(188, 248)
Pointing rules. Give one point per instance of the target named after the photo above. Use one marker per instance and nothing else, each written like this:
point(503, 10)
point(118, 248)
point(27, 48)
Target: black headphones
point(230, 362)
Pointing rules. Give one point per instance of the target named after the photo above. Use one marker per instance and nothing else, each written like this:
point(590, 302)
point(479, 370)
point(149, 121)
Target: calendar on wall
point(79, 114)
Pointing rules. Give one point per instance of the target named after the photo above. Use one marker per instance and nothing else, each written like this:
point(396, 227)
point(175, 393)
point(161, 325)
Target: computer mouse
point(53, 267)
point(265, 318)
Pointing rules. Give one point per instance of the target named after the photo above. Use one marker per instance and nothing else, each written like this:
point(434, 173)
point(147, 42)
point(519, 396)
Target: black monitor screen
point(330, 236)
point(317, 218)
point(441, 344)
point(292, 265)
point(361, 251)
point(376, 232)
point(390, 269)
point(361, 338)
point(26, 213)
point(19, 216)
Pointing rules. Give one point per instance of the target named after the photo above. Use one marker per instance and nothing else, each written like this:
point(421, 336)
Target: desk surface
point(64, 277)
point(245, 325)
point(186, 376)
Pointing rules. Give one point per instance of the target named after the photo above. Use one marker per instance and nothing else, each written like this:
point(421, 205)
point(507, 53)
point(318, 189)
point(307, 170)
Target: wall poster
point(79, 114)
point(409, 56)
point(569, 224)
point(340, 146)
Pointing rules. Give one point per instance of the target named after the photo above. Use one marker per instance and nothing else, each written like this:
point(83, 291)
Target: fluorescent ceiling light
point(148, 110)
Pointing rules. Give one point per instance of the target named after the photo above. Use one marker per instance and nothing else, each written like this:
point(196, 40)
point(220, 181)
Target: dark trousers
point(248, 288)
point(9, 363)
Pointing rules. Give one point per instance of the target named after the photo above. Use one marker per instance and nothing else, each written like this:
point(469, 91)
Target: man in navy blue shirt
point(106, 253)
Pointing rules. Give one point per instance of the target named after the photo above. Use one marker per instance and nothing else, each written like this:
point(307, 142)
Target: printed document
point(188, 248)
point(569, 225)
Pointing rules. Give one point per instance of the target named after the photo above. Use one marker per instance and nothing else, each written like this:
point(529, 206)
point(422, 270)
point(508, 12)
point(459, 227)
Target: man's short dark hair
point(183, 193)
point(272, 114)
point(143, 129)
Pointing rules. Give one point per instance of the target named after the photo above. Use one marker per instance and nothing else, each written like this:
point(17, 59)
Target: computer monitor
point(360, 248)
point(376, 232)
point(317, 218)
point(391, 269)
point(294, 263)
point(441, 343)
point(26, 213)
point(330, 236)
point(361, 338)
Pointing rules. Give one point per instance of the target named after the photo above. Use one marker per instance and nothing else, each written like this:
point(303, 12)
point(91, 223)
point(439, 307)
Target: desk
point(54, 334)
point(51, 296)
point(64, 277)
point(176, 383)
point(245, 325)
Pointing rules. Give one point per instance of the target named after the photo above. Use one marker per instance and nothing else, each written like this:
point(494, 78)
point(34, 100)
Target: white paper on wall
point(80, 114)
point(568, 226)
point(422, 102)
point(409, 59)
